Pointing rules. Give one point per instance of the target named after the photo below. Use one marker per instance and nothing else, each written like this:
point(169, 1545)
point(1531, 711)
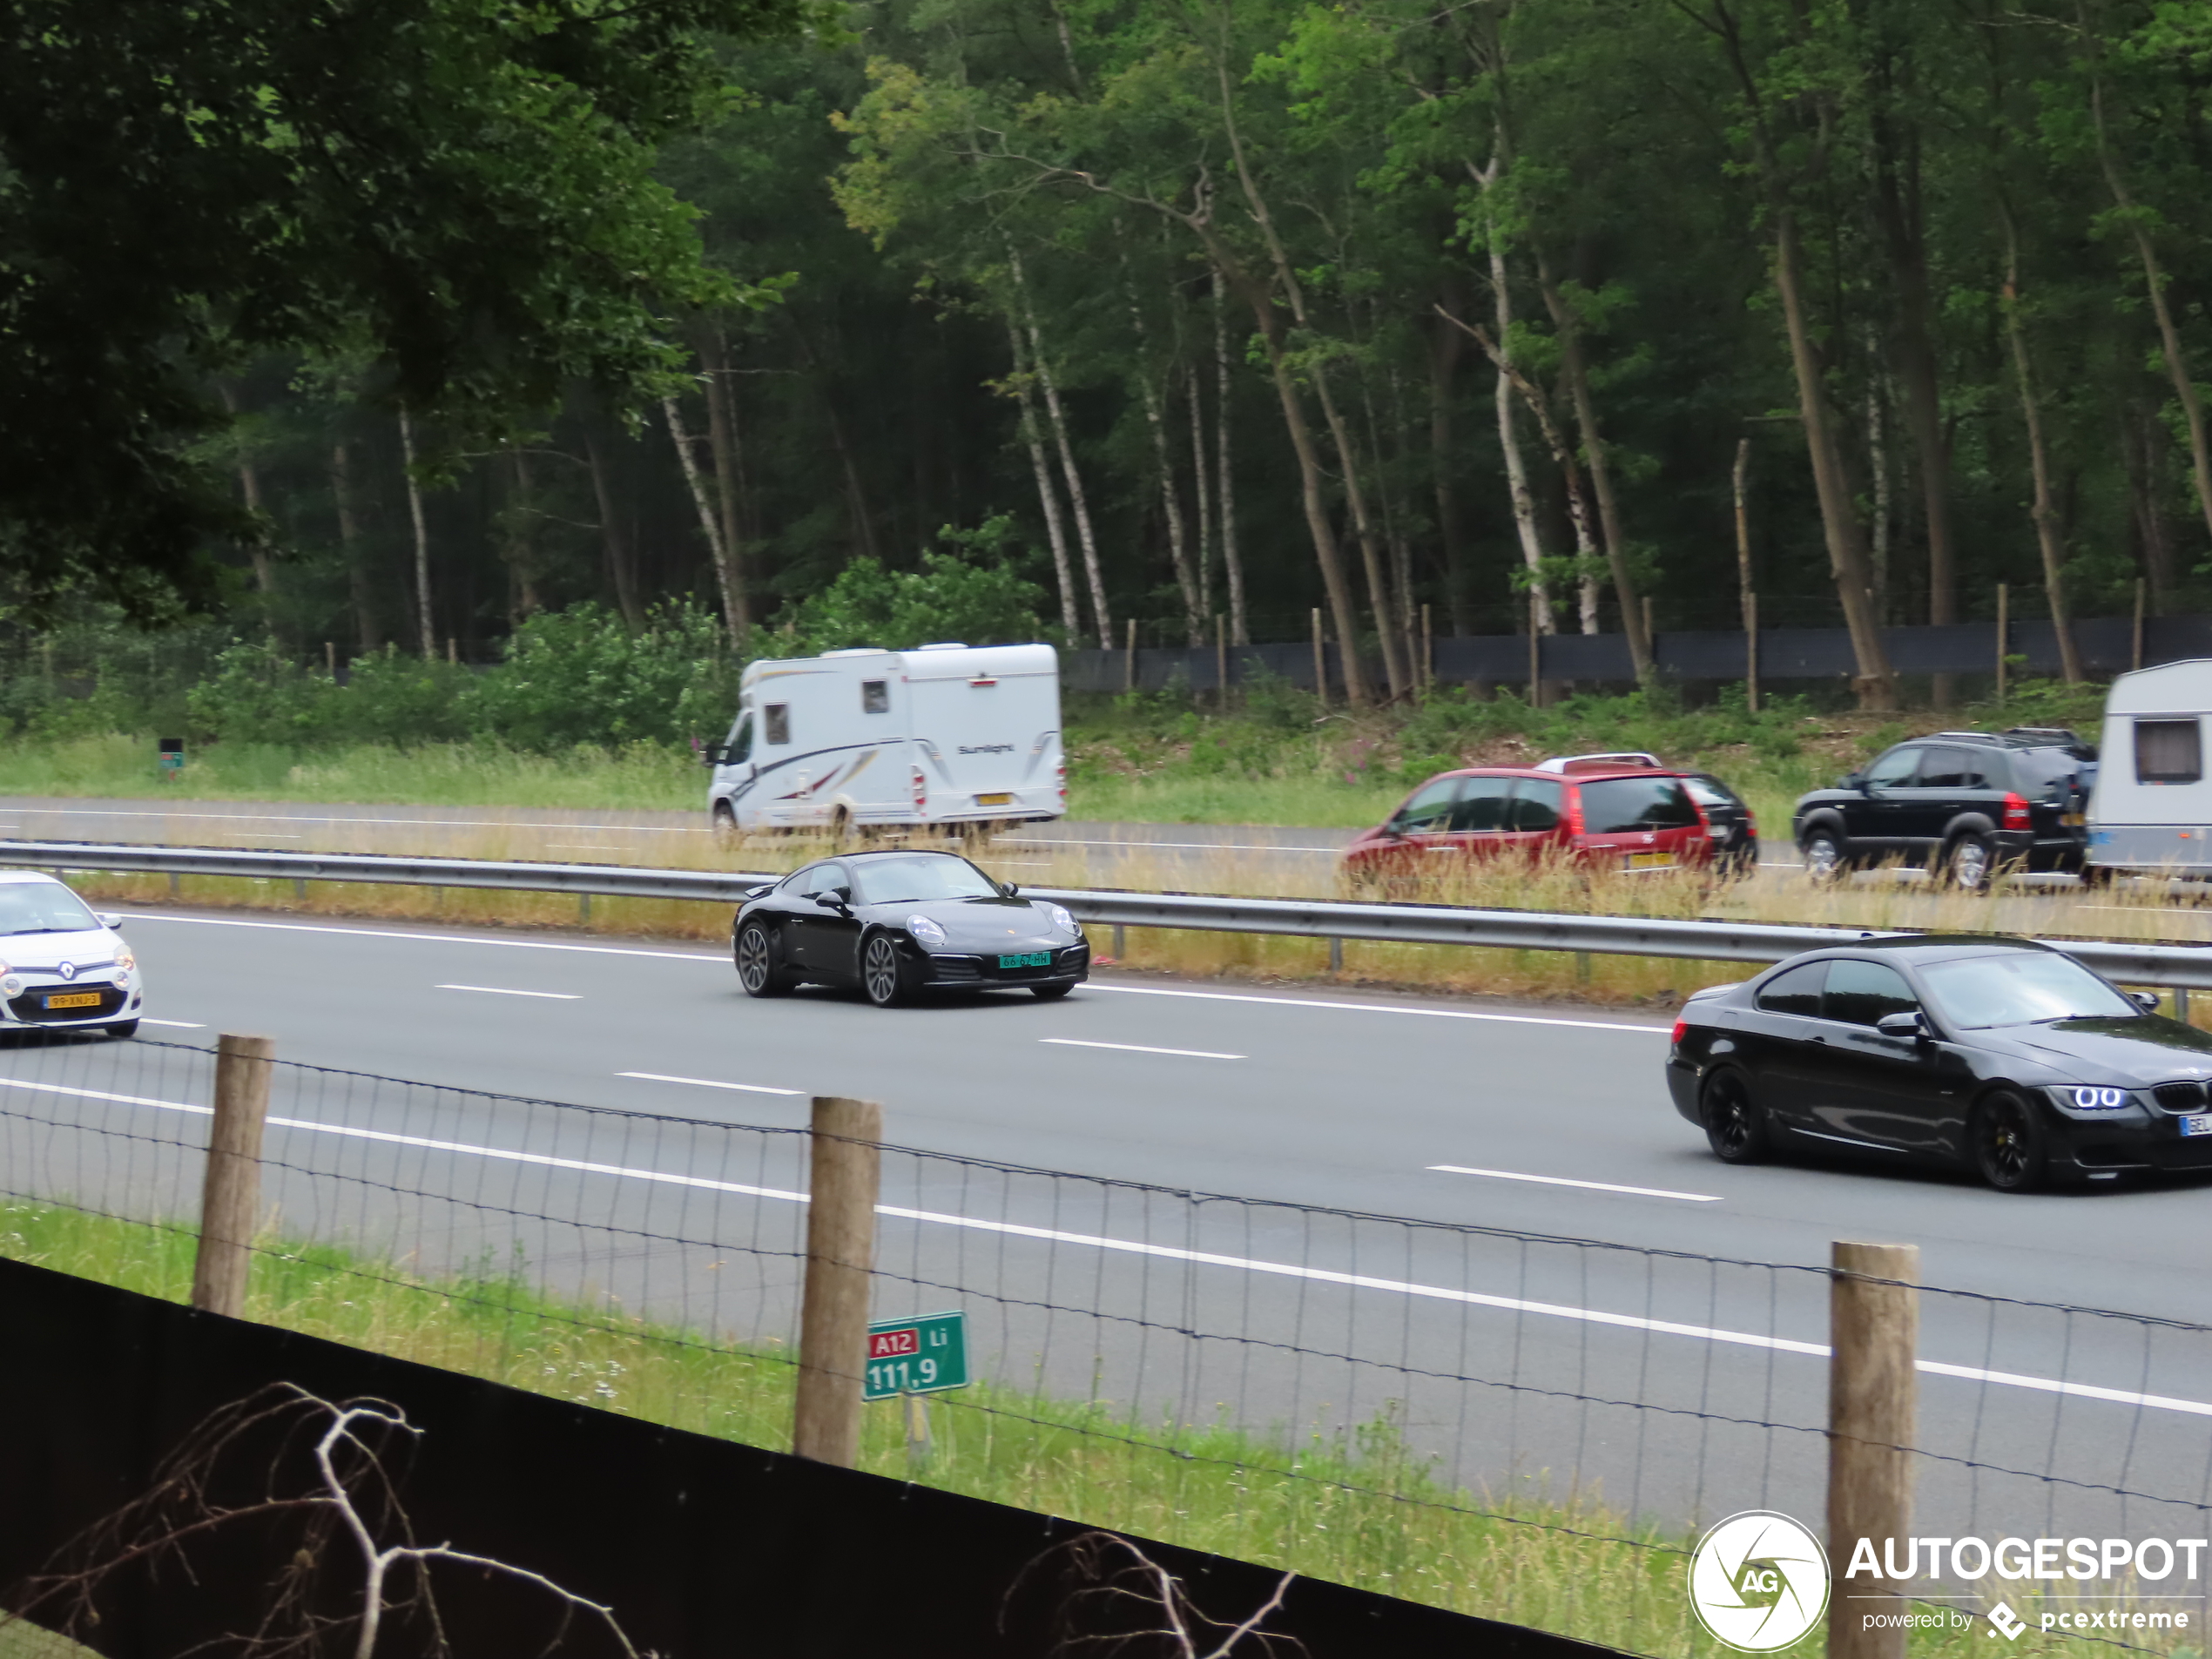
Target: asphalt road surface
point(1543, 1120)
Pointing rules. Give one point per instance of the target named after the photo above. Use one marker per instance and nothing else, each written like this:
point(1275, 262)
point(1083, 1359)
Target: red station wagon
point(1602, 811)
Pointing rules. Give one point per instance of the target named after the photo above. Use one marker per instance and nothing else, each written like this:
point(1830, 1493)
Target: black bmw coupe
point(898, 923)
point(2004, 1055)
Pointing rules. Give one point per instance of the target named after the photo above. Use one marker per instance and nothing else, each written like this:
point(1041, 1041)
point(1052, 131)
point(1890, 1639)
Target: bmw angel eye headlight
point(926, 930)
point(1061, 918)
point(2095, 1100)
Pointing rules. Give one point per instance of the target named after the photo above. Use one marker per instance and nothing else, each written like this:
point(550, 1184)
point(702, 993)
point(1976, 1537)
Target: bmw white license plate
point(1028, 959)
point(2199, 1124)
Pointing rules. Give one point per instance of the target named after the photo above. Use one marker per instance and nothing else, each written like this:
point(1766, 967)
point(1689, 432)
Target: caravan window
point(776, 728)
point(2168, 752)
point(875, 697)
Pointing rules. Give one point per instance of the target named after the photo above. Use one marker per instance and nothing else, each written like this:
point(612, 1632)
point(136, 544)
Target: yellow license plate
point(75, 1000)
point(2072, 821)
point(1650, 860)
point(994, 801)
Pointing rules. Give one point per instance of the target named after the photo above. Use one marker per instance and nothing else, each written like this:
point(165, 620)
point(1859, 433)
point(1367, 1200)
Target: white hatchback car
point(61, 967)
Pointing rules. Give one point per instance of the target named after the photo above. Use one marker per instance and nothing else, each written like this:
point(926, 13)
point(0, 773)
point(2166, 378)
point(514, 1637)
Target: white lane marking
point(174, 1025)
point(705, 956)
point(500, 990)
point(308, 817)
point(431, 939)
point(1171, 846)
point(1139, 1047)
point(1197, 1257)
point(1561, 1181)
point(708, 1082)
point(1378, 1008)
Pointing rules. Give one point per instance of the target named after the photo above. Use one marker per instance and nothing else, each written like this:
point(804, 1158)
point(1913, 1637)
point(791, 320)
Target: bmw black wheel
point(1823, 855)
point(883, 975)
point(2009, 1146)
point(757, 970)
point(1734, 1127)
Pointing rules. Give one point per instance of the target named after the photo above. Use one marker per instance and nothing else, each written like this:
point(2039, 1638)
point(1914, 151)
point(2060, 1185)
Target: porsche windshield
point(921, 877)
point(42, 907)
point(2021, 988)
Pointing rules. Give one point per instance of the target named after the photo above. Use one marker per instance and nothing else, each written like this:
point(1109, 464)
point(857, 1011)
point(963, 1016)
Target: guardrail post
point(1874, 1326)
point(847, 1169)
point(231, 1197)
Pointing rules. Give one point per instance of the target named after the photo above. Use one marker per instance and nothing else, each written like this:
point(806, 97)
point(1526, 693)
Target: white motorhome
point(868, 739)
point(2152, 807)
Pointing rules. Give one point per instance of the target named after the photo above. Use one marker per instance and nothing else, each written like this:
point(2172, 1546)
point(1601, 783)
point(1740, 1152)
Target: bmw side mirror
point(1905, 1024)
point(2147, 1000)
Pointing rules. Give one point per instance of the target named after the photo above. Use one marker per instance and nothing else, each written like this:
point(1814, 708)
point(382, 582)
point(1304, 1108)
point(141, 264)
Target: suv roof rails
point(1628, 758)
point(2042, 736)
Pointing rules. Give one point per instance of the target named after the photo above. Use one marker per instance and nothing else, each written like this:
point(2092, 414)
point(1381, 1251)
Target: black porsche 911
point(898, 923)
point(2004, 1055)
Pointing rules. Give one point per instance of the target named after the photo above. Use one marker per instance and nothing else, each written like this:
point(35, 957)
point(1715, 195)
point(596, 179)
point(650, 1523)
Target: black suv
point(1966, 805)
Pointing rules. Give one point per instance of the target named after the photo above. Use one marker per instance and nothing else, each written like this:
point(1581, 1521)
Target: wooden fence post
point(1129, 659)
point(1535, 656)
point(1320, 661)
point(1751, 651)
point(846, 1173)
point(1873, 1334)
point(1221, 661)
point(2003, 633)
point(230, 1199)
point(1428, 652)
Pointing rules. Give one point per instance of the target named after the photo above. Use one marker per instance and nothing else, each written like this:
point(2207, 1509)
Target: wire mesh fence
point(1529, 1427)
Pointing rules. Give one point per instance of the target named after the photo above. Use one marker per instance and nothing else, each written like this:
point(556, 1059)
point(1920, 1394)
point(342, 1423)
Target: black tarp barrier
point(703, 1547)
point(2106, 644)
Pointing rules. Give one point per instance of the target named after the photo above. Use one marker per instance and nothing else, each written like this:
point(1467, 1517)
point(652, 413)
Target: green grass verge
point(1361, 1509)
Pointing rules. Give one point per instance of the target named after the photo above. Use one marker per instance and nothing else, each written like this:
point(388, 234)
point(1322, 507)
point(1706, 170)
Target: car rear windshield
point(1711, 792)
point(1618, 804)
point(2046, 771)
point(916, 877)
point(2021, 988)
point(42, 907)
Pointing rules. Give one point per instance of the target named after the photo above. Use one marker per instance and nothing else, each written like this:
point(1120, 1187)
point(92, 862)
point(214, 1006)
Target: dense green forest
point(1201, 313)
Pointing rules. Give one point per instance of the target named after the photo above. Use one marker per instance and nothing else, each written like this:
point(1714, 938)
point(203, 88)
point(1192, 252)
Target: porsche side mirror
point(839, 898)
point(2147, 1000)
point(761, 892)
point(1905, 1024)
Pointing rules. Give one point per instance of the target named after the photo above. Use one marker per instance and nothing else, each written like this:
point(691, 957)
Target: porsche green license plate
point(1028, 959)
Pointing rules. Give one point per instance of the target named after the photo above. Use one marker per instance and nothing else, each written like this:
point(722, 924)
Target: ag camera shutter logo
point(1759, 1581)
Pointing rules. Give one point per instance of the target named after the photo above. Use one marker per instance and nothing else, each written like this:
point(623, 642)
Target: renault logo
point(69, 970)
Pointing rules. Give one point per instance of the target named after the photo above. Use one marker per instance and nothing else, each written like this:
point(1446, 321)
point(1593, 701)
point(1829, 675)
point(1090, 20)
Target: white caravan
point(867, 739)
point(2152, 807)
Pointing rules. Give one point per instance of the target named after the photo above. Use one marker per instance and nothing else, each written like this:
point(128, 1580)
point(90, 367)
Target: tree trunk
point(612, 539)
point(1232, 564)
point(424, 624)
point(724, 441)
point(249, 483)
point(1048, 497)
point(1171, 498)
point(1839, 518)
point(1444, 354)
point(1201, 489)
point(1077, 502)
point(1524, 500)
point(2046, 525)
point(1576, 373)
point(2139, 440)
point(2169, 338)
point(1878, 461)
point(367, 635)
point(1738, 477)
point(726, 575)
point(521, 553)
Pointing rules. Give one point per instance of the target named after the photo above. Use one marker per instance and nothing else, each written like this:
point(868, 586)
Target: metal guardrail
point(2186, 967)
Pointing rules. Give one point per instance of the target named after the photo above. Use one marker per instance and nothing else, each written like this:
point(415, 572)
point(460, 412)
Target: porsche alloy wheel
point(882, 974)
point(1735, 1126)
point(757, 969)
point(2008, 1143)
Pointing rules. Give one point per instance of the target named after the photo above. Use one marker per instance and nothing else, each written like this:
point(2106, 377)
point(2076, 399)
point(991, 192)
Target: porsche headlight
point(2092, 1100)
point(1061, 918)
point(925, 930)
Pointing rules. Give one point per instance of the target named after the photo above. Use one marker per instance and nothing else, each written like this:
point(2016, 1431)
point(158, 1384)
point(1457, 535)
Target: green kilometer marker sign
point(918, 1356)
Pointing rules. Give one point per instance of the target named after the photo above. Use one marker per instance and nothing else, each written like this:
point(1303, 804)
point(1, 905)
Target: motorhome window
point(776, 727)
point(2168, 752)
point(875, 697)
point(740, 745)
